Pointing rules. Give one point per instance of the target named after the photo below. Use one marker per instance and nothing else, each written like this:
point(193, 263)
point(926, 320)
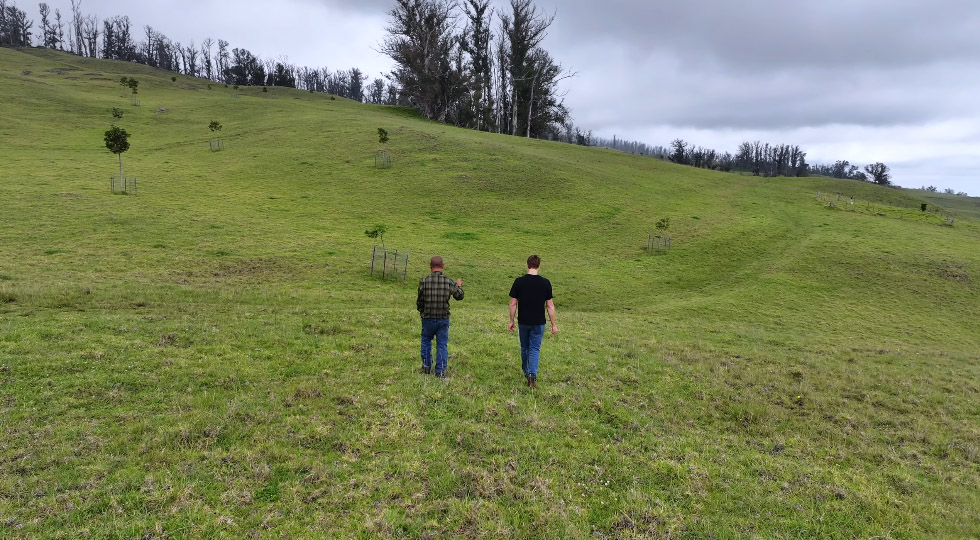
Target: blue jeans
point(439, 328)
point(531, 335)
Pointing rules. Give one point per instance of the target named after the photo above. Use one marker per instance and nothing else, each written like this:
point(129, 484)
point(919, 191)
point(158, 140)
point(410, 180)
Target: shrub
point(117, 112)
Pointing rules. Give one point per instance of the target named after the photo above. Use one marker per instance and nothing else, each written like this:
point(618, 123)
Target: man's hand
point(554, 329)
point(511, 326)
point(459, 282)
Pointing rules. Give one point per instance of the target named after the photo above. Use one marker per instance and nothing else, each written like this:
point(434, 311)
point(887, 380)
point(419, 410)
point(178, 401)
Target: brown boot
point(531, 381)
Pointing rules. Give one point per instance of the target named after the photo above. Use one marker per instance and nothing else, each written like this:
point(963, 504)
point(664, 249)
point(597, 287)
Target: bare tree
point(90, 33)
point(61, 28)
point(49, 33)
point(206, 46)
point(76, 27)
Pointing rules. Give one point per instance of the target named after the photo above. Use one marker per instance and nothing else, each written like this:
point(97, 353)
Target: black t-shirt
point(531, 292)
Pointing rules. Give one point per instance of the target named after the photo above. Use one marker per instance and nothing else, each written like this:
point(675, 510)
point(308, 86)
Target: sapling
point(117, 141)
point(378, 231)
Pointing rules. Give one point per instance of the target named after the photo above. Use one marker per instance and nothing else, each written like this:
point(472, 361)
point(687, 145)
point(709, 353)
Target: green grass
point(210, 358)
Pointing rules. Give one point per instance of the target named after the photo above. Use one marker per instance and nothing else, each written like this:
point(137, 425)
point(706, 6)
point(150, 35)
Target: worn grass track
point(210, 358)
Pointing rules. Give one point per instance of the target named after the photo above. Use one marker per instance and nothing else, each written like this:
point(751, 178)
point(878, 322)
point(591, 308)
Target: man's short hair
point(436, 262)
point(533, 261)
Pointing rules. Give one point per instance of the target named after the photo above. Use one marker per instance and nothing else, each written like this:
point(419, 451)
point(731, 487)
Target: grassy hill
point(954, 204)
point(211, 358)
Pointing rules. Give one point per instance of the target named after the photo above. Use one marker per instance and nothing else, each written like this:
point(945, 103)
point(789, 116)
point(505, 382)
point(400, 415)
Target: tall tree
point(77, 21)
point(15, 27)
point(421, 40)
point(476, 43)
point(524, 28)
point(49, 32)
point(357, 79)
point(376, 92)
point(206, 46)
point(90, 34)
point(246, 69)
point(221, 59)
point(879, 173)
point(60, 24)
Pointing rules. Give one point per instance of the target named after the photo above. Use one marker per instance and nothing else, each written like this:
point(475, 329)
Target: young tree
point(378, 231)
point(879, 173)
point(117, 141)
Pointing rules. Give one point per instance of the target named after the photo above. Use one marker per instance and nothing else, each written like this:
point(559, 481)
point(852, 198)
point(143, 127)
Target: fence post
point(405, 270)
point(384, 264)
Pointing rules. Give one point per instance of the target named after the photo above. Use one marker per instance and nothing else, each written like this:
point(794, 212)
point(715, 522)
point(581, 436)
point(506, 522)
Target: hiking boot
point(532, 381)
point(427, 370)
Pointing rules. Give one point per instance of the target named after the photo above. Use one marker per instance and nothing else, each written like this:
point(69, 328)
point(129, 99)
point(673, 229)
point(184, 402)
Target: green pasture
point(209, 357)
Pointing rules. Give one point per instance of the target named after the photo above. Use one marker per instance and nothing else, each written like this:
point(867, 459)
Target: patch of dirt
point(955, 272)
point(245, 268)
point(248, 267)
point(167, 340)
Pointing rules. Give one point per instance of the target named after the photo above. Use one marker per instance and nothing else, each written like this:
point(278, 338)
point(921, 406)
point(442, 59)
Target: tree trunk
point(120, 170)
point(530, 104)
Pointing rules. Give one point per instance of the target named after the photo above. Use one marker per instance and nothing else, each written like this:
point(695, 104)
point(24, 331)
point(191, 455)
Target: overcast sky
point(895, 81)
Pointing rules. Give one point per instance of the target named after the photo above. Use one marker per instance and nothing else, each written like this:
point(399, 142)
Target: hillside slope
point(211, 357)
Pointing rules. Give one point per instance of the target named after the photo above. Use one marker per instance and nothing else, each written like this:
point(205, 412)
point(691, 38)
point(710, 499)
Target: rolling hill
point(210, 356)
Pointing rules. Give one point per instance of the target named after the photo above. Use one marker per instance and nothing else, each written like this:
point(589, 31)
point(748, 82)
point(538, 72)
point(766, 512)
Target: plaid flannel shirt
point(434, 292)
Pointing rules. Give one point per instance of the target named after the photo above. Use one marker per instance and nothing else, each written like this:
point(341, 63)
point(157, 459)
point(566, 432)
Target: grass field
point(211, 358)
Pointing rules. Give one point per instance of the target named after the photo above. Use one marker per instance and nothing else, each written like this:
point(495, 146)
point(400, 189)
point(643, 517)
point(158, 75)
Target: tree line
point(948, 191)
point(116, 38)
point(755, 157)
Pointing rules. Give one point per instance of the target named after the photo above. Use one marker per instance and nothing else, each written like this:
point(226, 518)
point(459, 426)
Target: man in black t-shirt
point(529, 296)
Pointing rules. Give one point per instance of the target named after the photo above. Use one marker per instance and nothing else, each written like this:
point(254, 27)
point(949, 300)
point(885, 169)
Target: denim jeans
point(531, 335)
point(438, 328)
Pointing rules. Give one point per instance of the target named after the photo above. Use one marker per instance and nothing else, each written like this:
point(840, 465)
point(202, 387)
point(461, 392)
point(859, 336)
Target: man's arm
point(420, 300)
point(457, 290)
point(513, 311)
point(551, 314)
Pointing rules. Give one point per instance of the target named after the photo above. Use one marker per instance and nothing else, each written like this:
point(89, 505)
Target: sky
point(895, 81)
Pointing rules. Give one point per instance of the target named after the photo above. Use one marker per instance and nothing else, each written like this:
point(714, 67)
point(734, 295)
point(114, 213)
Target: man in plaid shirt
point(433, 305)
